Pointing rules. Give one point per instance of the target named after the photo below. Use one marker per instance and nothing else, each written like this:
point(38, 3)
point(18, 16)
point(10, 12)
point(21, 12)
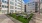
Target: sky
point(26, 1)
point(29, 0)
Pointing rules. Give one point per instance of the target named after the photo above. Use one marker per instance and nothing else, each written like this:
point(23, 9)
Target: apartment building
point(23, 7)
point(40, 6)
point(32, 6)
point(10, 6)
point(3, 6)
point(19, 6)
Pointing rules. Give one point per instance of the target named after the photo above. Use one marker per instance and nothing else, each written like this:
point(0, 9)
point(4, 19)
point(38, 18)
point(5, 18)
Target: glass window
point(11, 11)
point(3, 1)
point(7, 2)
point(41, 0)
point(4, 11)
point(33, 4)
point(15, 10)
point(15, 7)
point(3, 6)
point(6, 6)
point(11, 2)
point(28, 4)
point(15, 4)
point(11, 7)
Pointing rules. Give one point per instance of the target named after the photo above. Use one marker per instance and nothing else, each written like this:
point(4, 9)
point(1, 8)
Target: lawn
point(20, 18)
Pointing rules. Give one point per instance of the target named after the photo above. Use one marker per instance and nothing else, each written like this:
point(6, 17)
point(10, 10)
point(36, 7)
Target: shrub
point(31, 15)
point(20, 18)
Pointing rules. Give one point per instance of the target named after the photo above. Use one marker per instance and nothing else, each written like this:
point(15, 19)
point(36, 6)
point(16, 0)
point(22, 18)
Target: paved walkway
point(13, 19)
point(5, 19)
point(37, 18)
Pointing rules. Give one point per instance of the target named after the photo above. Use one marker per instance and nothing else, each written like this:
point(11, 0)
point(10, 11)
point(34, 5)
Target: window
point(3, 6)
point(15, 10)
point(15, 7)
point(11, 7)
point(11, 2)
point(36, 7)
point(4, 11)
point(28, 4)
point(11, 11)
point(40, 10)
point(41, 1)
point(15, 4)
point(33, 4)
point(19, 8)
point(7, 2)
point(6, 6)
point(3, 1)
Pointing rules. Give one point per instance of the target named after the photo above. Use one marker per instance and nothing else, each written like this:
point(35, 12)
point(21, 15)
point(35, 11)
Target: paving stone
point(5, 19)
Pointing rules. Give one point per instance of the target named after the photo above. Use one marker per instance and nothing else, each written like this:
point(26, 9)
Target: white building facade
point(18, 6)
point(3, 6)
point(10, 6)
point(40, 6)
point(31, 7)
point(23, 7)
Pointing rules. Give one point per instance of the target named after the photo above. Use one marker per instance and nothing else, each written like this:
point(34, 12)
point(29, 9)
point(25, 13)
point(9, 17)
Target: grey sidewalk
point(13, 19)
point(5, 19)
point(8, 19)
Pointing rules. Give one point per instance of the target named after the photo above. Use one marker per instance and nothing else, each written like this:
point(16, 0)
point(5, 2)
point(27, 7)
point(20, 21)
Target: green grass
point(20, 18)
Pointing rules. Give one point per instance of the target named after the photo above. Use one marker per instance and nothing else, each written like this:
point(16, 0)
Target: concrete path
point(37, 18)
point(13, 19)
point(5, 19)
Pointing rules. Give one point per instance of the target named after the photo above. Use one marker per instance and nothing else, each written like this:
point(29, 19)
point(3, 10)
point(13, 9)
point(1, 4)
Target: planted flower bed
point(20, 18)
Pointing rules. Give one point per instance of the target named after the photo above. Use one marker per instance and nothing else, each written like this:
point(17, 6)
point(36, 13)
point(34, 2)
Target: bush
point(20, 18)
point(31, 15)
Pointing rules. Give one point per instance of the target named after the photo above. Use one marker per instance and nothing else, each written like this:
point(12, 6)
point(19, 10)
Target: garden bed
point(20, 18)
